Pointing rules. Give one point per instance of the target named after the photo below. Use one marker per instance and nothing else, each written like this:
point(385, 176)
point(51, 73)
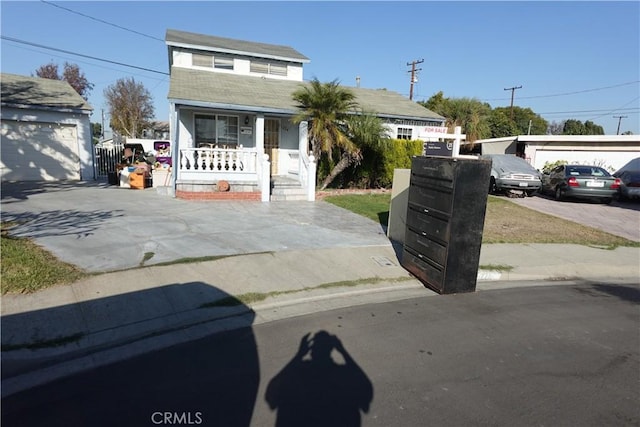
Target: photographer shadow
point(315, 390)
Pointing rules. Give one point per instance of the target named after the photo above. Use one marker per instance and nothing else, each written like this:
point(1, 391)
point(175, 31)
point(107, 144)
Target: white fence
point(105, 159)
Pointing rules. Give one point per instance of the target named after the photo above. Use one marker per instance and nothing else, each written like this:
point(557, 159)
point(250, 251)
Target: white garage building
point(45, 131)
point(609, 151)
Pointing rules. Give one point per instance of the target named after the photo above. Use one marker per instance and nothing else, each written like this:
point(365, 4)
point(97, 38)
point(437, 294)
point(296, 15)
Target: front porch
point(212, 173)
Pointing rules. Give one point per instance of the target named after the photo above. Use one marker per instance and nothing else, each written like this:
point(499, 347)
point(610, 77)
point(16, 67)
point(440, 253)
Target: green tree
point(130, 107)
point(71, 74)
point(523, 118)
point(501, 125)
point(573, 127)
point(326, 106)
point(576, 127)
point(371, 136)
point(96, 132)
point(591, 128)
point(468, 113)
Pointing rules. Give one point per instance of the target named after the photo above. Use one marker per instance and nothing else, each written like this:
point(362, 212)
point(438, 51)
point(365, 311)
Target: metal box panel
point(445, 220)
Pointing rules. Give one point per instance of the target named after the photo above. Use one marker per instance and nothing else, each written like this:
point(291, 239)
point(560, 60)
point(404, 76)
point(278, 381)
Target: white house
point(230, 116)
point(46, 131)
point(609, 151)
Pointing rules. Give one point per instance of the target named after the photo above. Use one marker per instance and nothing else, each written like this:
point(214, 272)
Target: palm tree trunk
point(344, 163)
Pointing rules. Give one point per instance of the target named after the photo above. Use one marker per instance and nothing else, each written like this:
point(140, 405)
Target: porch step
point(286, 189)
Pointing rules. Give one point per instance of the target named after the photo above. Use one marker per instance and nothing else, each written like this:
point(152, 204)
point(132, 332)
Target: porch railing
point(213, 164)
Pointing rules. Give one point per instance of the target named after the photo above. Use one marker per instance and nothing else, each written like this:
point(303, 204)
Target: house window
point(223, 62)
point(262, 67)
point(202, 60)
point(404, 133)
point(216, 129)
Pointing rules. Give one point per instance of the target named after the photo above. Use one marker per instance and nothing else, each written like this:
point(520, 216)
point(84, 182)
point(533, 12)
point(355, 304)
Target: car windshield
point(586, 171)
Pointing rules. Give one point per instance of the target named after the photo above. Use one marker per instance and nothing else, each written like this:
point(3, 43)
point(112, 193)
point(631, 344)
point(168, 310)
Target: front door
point(272, 142)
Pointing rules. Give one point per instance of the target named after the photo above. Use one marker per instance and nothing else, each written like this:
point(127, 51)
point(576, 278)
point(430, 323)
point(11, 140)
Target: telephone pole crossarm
point(512, 89)
point(619, 120)
point(413, 75)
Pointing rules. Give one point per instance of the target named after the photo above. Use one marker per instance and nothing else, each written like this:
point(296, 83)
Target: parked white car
point(513, 176)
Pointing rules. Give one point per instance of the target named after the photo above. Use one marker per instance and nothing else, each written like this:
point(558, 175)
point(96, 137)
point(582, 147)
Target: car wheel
point(531, 193)
point(559, 195)
point(492, 186)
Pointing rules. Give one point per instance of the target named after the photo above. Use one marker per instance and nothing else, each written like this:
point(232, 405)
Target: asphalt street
point(563, 354)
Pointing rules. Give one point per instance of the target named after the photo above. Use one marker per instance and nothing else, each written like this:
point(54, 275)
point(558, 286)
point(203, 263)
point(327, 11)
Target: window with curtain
point(216, 129)
point(223, 62)
point(264, 67)
point(202, 59)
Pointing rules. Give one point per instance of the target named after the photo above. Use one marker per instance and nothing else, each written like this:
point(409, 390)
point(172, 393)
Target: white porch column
point(303, 142)
point(259, 130)
point(311, 179)
point(265, 178)
point(262, 160)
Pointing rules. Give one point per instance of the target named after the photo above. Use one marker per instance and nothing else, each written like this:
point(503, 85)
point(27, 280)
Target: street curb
point(273, 309)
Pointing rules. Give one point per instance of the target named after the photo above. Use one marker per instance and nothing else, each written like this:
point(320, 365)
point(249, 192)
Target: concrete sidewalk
point(117, 315)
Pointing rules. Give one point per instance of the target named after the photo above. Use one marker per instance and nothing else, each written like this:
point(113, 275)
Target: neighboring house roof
point(35, 92)
point(237, 92)
point(232, 46)
point(589, 139)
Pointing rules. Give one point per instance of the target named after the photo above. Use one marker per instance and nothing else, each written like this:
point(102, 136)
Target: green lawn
point(505, 222)
point(27, 267)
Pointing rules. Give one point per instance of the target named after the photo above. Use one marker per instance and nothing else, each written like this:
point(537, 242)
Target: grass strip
point(254, 297)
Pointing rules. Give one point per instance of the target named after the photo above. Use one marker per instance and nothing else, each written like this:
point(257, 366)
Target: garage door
point(39, 151)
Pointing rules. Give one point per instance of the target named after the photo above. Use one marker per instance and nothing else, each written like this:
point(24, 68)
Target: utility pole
point(413, 75)
point(619, 120)
point(512, 89)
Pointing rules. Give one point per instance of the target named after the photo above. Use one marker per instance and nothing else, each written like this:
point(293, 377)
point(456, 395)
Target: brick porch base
point(219, 195)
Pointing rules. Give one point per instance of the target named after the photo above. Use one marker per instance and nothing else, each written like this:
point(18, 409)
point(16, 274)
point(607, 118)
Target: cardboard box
point(137, 180)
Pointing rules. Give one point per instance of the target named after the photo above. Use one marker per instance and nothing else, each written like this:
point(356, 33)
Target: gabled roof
point(237, 92)
point(35, 92)
point(233, 46)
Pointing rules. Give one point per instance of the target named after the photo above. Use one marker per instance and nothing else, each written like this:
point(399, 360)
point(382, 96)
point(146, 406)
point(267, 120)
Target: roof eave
point(231, 107)
point(48, 108)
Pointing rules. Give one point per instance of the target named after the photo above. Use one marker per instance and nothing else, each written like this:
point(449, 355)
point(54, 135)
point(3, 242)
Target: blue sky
point(577, 60)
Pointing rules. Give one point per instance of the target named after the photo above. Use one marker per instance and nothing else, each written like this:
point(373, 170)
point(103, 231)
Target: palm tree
point(326, 107)
point(366, 132)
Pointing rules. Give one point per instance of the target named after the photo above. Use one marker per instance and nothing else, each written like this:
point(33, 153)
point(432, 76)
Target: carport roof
point(229, 91)
point(35, 92)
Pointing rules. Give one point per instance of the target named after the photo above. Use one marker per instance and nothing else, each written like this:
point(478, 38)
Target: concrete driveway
point(104, 228)
point(619, 218)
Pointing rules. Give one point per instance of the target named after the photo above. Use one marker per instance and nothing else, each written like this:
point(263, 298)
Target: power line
point(81, 55)
point(567, 93)
point(102, 21)
point(588, 111)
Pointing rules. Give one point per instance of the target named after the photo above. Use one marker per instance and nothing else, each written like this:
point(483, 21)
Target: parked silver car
point(513, 176)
